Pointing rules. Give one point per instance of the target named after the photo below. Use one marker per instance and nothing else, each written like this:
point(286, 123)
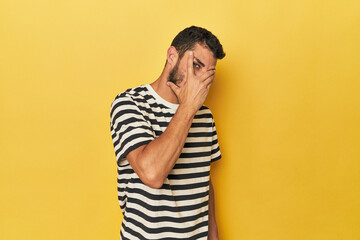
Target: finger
point(173, 87)
point(209, 80)
point(183, 82)
point(190, 62)
point(206, 75)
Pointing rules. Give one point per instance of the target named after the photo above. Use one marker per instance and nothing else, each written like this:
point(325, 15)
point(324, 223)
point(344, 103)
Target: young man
point(164, 141)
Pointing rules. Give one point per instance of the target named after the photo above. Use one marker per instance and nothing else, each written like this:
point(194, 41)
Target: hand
point(193, 91)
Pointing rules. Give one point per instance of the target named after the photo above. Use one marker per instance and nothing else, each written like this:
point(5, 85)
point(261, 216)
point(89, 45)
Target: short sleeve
point(215, 149)
point(129, 129)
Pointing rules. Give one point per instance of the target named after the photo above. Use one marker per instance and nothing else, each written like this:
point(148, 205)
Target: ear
point(172, 56)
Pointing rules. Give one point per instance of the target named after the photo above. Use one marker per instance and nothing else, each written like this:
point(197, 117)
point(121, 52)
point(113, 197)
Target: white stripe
point(166, 213)
point(180, 225)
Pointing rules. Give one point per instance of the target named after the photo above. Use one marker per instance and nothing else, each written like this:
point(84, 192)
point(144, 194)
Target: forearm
point(154, 161)
point(213, 233)
point(160, 155)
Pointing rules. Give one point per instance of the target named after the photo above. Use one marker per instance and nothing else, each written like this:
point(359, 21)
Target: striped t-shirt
point(179, 209)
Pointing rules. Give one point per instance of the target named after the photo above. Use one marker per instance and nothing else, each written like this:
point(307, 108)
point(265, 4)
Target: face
point(174, 75)
point(204, 60)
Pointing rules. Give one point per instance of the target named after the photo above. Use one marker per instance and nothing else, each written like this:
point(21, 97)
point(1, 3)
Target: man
point(164, 141)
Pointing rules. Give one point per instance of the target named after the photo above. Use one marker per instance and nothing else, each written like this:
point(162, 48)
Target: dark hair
point(187, 38)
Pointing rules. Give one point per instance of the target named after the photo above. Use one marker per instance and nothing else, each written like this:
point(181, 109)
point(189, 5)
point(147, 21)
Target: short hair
point(187, 38)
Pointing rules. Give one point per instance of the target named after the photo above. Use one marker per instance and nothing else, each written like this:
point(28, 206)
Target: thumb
point(173, 87)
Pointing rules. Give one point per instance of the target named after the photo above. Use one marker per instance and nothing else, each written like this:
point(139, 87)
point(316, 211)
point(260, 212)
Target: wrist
point(186, 111)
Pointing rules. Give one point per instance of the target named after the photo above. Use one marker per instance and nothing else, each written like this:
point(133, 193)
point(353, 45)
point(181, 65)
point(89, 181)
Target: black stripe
point(201, 124)
point(123, 207)
point(190, 186)
point(200, 134)
point(128, 120)
point(188, 175)
point(123, 228)
point(195, 154)
point(160, 124)
point(166, 218)
point(139, 236)
point(215, 159)
point(156, 114)
point(164, 197)
point(197, 144)
point(132, 148)
point(215, 150)
point(203, 115)
point(190, 165)
point(158, 133)
point(125, 171)
point(167, 208)
point(164, 229)
point(146, 96)
point(122, 198)
point(148, 138)
point(131, 112)
point(193, 125)
point(167, 186)
point(139, 89)
point(114, 106)
point(136, 234)
point(117, 142)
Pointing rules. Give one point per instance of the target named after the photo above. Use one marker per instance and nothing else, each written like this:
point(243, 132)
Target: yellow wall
point(286, 104)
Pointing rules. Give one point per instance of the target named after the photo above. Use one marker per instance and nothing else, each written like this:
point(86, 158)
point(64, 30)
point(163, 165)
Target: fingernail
point(191, 53)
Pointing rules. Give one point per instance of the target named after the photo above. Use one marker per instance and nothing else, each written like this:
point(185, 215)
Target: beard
point(174, 76)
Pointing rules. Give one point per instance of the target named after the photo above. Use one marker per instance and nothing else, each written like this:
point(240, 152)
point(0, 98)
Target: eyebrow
point(202, 64)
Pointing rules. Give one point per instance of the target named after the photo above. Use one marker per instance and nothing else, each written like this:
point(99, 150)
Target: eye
point(197, 66)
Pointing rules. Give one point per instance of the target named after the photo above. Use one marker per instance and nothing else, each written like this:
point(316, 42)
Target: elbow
point(153, 183)
point(145, 168)
point(156, 185)
point(153, 180)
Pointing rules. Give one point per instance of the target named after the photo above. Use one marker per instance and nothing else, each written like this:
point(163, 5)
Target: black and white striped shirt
point(179, 209)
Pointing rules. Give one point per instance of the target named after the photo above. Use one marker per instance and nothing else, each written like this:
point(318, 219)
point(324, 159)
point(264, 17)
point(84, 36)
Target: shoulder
point(130, 96)
point(132, 93)
point(126, 103)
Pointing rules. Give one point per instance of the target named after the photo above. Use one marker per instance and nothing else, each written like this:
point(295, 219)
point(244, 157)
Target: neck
point(162, 89)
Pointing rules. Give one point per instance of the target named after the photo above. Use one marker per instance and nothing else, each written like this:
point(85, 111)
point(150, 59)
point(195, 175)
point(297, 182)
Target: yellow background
point(285, 99)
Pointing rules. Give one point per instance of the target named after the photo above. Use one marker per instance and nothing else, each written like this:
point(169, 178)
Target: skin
point(193, 75)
